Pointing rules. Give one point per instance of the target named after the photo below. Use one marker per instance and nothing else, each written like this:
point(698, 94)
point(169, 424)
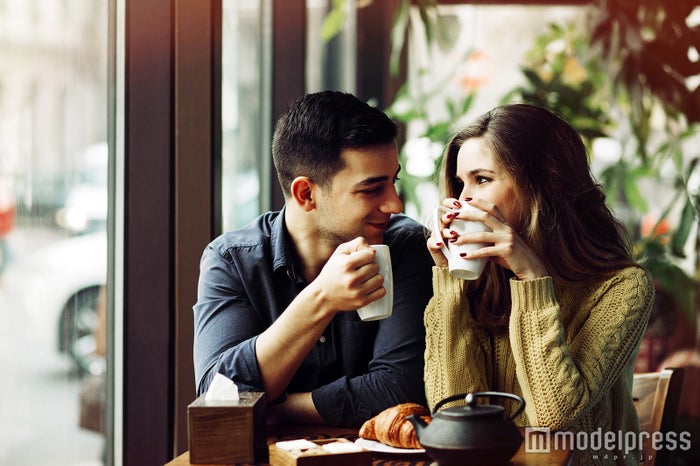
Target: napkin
point(221, 389)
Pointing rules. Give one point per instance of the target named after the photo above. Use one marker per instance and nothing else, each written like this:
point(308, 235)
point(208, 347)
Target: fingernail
point(462, 254)
point(454, 233)
point(451, 215)
point(452, 240)
point(467, 199)
point(457, 204)
point(438, 245)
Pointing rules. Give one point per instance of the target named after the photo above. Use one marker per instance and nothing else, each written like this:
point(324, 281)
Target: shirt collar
point(282, 251)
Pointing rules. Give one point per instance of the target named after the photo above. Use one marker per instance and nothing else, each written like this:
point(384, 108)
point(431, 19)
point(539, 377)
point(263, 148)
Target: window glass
point(53, 248)
point(330, 62)
point(245, 157)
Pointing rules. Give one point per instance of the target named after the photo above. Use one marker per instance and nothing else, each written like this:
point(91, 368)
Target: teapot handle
point(470, 398)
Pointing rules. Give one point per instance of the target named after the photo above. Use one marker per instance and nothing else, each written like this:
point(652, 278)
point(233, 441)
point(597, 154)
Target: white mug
point(462, 267)
point(381, 308)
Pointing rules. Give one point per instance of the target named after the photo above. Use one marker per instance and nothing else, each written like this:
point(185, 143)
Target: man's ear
point(302, 189)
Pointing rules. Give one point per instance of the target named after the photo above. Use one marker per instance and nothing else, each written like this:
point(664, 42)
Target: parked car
point(59, 286)
point(85, 206)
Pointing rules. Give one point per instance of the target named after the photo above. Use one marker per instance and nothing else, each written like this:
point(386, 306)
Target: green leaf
point(426, 20)
point(680, 238)
point(679, 286)
point(398, 35)
point(466, 105)
point(333, 21)
point(634, 197)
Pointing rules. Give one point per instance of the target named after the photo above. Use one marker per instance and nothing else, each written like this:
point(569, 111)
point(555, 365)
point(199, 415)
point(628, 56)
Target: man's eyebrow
point(373, 180)
point(376, 179)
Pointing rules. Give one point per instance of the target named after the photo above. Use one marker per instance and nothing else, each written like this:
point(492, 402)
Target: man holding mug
point(277, 298)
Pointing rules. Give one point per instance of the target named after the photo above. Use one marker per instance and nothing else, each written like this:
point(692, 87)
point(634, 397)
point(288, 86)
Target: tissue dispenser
point(225, 432)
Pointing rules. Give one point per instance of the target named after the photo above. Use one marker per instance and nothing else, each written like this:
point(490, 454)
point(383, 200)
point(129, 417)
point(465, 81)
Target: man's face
point(362, 196)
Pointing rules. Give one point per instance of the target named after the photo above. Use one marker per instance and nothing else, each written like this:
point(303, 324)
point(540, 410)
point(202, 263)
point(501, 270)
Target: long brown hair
point(565, 218)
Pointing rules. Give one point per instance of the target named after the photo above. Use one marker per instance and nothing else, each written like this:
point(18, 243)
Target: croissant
point(391, 427)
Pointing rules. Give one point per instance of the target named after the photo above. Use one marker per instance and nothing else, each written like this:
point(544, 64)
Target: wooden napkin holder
point(225, 432)
point(319, 456)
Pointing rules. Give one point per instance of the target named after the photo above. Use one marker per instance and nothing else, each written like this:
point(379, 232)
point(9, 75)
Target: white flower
point(421, 154)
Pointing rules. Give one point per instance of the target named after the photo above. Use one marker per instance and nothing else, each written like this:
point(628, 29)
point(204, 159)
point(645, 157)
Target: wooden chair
point(656, 396)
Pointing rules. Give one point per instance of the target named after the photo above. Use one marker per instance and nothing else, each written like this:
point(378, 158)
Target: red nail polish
point(451, 215)
point(438, 245)
point(462, 254)
point(467, 199)
point(454, 233)
point(452, 240)
point(457, 204)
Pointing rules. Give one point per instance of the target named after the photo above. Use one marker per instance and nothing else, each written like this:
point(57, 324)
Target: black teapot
point(471, 434)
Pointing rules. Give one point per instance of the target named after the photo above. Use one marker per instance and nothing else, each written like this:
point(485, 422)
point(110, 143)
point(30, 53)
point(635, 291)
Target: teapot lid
point(472, 409)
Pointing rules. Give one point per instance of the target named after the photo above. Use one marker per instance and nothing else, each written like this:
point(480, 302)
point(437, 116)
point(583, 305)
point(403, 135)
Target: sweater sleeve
point(454, 358)
point(563, 376)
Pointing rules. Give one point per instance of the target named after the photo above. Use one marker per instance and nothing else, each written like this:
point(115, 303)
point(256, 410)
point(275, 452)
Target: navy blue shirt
point(356, 369)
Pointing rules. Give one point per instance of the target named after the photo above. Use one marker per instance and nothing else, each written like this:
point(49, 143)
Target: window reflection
point(242, 112)
point(53, 248)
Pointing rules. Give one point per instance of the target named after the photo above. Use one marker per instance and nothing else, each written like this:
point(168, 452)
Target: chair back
point(656, 396)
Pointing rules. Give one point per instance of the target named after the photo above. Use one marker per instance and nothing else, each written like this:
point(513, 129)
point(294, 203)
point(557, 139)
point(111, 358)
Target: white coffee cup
point(462, 267)
point(381, 308)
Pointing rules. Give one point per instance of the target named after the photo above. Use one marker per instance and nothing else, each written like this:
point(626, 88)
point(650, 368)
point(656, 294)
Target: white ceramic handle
point(438, 211)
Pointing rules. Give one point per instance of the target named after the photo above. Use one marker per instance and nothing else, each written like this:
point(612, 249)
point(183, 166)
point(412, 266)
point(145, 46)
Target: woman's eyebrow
point(479, 170)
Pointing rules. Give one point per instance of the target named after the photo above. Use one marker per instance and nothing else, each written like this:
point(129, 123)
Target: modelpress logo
point(603, 444)
point(537, 440)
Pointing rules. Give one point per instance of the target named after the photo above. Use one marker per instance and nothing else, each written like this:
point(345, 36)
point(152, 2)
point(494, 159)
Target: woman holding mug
point(558, 313)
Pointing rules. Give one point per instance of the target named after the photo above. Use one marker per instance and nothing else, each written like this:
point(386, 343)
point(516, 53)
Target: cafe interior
point(174, 104)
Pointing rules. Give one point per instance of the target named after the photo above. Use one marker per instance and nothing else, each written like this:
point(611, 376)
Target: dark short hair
point(309, 138)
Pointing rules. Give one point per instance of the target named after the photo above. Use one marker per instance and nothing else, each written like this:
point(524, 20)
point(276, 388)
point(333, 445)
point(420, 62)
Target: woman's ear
point(302, 192)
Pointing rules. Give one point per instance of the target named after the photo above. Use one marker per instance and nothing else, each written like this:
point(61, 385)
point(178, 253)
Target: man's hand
point(350, 279)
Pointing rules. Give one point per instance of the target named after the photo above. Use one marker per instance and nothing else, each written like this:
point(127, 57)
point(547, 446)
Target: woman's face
point(481, 177)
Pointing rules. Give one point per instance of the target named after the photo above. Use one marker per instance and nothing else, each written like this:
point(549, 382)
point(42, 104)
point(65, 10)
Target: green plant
point(646, 47)
point(562, 75)
point(631, 68)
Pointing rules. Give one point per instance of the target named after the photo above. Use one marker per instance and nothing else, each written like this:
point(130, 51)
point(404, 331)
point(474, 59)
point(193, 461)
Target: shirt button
point(322, 339)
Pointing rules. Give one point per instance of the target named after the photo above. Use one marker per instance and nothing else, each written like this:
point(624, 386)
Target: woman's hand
point(503, 245)
point(439, 235)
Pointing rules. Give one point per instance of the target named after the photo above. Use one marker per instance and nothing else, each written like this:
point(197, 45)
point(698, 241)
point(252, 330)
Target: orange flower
point(474, 72)
point(652, 228)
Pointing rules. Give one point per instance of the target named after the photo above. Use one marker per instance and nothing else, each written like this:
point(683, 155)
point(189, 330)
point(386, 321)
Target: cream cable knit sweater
point(569, 352)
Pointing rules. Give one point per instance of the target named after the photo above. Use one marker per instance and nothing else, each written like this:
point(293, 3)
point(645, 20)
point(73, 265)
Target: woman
point(560, 309)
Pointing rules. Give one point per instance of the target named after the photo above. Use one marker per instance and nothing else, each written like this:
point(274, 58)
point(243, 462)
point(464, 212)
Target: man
point(277, 300)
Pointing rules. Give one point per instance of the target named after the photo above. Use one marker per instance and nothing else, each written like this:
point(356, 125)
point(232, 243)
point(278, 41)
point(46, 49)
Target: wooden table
point(291, 432)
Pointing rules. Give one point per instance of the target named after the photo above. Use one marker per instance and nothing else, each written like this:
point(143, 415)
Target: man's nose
point(393, 203)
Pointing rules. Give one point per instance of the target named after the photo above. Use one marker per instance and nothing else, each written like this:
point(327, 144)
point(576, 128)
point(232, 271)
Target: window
point(53, 247)
point(246, 162)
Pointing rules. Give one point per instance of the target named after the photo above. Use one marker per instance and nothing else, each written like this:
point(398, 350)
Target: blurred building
point(53, 83)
